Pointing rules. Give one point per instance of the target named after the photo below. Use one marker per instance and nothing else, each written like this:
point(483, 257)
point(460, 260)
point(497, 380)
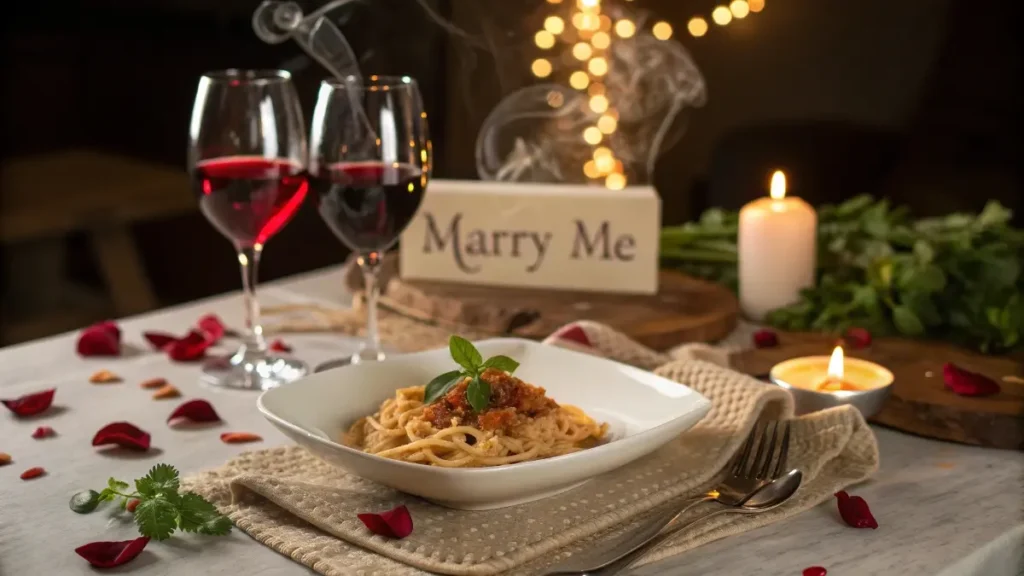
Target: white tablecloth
point(937, 504)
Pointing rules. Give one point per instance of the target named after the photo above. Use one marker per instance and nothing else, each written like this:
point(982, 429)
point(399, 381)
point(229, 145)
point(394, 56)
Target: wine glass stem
point(370, 265)
point(249, 259)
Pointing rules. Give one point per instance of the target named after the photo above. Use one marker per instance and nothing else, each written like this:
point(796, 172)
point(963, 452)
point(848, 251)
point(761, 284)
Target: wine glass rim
point(372, 81)
point(249, 76)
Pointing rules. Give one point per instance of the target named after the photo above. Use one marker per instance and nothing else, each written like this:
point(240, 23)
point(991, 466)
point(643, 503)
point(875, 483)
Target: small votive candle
point(777, 250)
point(819, 382)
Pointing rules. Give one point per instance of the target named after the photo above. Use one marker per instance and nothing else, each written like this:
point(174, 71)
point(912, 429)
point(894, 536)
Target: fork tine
point(755, 464)
point(744, 454)
point(770, 452)
point(780, 466)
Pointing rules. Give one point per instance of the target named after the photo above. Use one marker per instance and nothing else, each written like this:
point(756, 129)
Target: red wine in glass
point(368, 204)
point(249, 199)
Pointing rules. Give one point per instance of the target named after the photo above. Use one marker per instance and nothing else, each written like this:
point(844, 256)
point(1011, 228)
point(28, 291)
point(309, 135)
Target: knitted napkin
point(305, 508)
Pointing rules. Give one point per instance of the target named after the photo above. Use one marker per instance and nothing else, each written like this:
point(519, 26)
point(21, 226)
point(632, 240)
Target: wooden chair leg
point(123, 271)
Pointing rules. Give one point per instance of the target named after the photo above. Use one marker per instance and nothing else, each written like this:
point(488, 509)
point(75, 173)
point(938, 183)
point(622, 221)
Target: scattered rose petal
point(967, 383)
point(395, 523)
point(166, 392)
point(111, 554)
point(195, 411)
point(100, 339)
point(43, 432)
point(154, 383)
point(212, 327)
point(122, 434)
point(132, 505)
point(159, 340)
point(104, 377)
point(857, 338)
point(191, 347)
point(5, 458)
point(31, 473)
point(855, 511)
point(815, 571)
point(239, 437)
point(31, 404)
point(279, 346)
point(766, 338)
point(575, 333)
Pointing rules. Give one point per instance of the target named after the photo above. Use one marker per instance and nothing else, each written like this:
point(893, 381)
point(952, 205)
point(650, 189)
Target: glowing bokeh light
point(662, 30)
point(697, 26)
point(541, 68)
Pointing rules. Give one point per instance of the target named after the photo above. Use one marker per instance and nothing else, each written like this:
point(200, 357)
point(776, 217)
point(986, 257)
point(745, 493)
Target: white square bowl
point(643, 411)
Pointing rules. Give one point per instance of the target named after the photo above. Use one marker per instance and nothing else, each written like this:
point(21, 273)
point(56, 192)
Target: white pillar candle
point(777, 250)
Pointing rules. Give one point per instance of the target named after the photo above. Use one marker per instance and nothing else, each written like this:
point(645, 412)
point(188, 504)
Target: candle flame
point(835, 364)
point(778, 188)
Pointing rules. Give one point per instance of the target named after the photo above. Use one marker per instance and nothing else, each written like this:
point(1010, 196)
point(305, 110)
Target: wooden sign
point(569, 237)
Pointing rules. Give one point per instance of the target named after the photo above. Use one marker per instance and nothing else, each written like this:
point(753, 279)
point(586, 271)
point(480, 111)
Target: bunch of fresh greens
point(956, 278)
point(478, 391)
point(158, 506)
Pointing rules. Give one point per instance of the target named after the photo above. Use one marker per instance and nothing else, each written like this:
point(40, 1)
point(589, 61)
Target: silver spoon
point(768, 497)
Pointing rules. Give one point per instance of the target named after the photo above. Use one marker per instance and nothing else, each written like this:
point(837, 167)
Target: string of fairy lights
point(585, 36)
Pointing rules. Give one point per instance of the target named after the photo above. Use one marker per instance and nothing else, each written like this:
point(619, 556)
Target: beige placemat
point(304, 508)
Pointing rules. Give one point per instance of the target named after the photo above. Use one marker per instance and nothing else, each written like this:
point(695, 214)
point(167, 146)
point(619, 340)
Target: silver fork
point(747, 474)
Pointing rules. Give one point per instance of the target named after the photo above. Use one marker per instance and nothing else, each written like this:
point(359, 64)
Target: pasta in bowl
point(490, 433)
point(520, 424)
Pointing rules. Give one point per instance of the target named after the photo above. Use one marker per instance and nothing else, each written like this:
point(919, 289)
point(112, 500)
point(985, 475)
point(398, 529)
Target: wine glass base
point(357, 358)
point(252, 370)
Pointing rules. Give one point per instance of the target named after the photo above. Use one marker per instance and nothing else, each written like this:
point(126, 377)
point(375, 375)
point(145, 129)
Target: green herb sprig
point(478, 391)
point(161, 509)
point(956, 278)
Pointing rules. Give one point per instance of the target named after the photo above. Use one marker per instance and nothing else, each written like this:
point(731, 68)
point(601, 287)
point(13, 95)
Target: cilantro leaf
point(478, 393)
point(116, 485)
point(440, 385)
point(194, 512)
point(107, 494)
point(218, 526)
point(503, 363)
point(164, 478)
point(465, 354)
point(156, 518)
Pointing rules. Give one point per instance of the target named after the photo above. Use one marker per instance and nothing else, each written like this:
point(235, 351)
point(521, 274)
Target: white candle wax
point(777, 250)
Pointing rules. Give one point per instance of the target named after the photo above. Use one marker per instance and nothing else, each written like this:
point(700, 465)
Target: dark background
point(917, 100)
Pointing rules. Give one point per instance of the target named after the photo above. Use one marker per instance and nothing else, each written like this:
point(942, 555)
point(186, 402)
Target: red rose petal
point(239, 437)
point(100, 339)
point(212, 327)
point(815, 571)
point(395, 523)
point(159, 340)
point(111, 554)
point(855, 511)
point(967, 383)
point(766, 338)
point(31, 404)
point(195, 411)
point(43, 432)
point(858, 338)
point(191, 347)
point(575, 334)
point(31, 473)
point(122, 434)
point(280, 346)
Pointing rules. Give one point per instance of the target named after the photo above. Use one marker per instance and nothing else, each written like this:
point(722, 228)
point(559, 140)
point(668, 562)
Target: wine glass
point(247, 146)
point(369, 166)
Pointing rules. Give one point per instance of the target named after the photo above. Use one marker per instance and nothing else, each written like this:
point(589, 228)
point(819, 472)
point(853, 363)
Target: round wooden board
point(920, 403)
point(684, 310)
